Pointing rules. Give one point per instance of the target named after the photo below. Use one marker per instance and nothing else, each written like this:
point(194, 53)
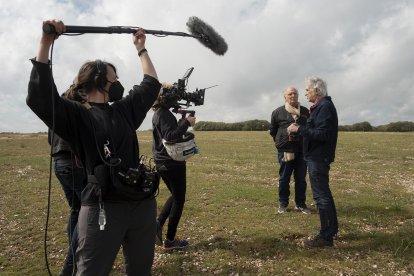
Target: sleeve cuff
point(35, 62)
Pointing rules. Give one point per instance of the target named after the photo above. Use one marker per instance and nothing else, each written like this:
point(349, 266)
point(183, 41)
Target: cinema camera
point(179, 100)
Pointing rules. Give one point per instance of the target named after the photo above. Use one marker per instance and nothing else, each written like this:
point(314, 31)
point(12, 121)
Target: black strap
point(92, 179)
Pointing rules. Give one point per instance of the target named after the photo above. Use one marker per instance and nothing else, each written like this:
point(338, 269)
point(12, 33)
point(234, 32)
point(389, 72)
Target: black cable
point(73, 164)
point(50, 171)
point(50, 160)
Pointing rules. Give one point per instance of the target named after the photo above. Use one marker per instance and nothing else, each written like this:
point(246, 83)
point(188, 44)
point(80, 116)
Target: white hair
point(319, 84)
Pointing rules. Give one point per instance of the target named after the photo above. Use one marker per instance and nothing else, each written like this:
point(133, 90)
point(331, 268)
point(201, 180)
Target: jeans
point(72, 180)
point(319, 178)
point(298, 167)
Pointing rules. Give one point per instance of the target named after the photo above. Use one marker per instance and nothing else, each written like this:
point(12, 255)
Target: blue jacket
point(321, 132)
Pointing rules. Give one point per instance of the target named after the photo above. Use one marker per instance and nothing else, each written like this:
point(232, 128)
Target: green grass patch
point(230, 215)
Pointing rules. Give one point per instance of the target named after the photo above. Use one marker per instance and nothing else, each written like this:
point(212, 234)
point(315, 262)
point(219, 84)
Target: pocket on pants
point(93, 215)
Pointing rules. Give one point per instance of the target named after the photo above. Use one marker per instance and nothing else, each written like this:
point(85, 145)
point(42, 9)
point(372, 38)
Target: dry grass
point(230, 214)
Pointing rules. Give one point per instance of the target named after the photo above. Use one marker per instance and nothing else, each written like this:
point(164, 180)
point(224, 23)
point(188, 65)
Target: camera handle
point(191, 113)
point(183, 112)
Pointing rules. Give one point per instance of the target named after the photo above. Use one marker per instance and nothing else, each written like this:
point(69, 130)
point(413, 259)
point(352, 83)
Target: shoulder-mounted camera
point(176, 96)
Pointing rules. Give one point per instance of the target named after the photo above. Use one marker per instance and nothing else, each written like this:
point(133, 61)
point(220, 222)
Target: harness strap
point(92, 179)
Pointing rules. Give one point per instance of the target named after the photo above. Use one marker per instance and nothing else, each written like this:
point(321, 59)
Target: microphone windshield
point(207, 35)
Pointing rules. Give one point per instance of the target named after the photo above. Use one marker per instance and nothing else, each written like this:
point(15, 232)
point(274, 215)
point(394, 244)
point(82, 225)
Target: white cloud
point(362, 49)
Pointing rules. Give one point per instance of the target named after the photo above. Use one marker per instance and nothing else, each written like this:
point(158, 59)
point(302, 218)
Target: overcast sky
point(362, 48)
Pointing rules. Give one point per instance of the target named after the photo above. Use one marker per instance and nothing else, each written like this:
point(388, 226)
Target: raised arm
point(47, 40)
point(139, 42)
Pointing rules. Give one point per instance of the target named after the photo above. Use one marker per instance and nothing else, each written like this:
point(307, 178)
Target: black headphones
point(100, 76)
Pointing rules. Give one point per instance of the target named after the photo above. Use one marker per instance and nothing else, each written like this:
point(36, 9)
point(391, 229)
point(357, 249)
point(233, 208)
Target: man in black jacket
point(319, 143)
point(290, 150)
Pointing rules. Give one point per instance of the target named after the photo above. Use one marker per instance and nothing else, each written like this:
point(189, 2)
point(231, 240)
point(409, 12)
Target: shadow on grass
point(396, 210)
point(256, 247)
point(379, 229)
point(399, 244)
point(363, 230)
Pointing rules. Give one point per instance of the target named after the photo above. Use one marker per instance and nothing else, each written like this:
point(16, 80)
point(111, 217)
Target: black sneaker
point(158, 235)
point(175, 244)
point(317, 242)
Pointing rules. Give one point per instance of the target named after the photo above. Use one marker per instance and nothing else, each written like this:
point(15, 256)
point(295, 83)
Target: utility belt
point(141, 181)
point(132, 183)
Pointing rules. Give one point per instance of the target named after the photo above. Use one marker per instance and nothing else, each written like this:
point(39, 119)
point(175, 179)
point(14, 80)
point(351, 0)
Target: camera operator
point(289, 149)
point(104, 137)
point(173, 173)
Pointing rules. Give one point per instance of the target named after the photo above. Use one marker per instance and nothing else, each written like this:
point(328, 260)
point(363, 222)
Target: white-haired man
point(319, 143)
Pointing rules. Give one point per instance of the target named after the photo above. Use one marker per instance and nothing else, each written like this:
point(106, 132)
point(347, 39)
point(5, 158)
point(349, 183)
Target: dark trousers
point(72, 180)
point(319, 178)
point(130, 224)
point(174, 176)
point(297, 167)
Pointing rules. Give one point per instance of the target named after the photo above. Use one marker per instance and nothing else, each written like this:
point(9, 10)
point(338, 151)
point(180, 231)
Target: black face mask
point(116, 91)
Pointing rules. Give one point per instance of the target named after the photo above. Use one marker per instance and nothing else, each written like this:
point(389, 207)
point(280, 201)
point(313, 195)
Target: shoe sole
point(320, 246)
point(324, 246)
point(174, 248)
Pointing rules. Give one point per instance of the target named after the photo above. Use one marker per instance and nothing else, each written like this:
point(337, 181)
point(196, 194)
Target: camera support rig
point(183, 112)
point(178, 93)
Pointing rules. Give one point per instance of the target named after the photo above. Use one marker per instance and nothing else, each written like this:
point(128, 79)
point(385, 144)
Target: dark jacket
point(321, 132)
point(87, 130)
point(60, 148)
point(165, 126)
point(279, 123)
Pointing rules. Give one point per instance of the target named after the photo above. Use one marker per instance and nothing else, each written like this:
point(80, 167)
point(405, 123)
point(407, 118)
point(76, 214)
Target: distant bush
point(263, 125)
point(363, 126)
point(252, 125)
point(404, 126)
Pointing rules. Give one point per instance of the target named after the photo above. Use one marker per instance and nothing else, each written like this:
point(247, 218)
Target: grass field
point(230, 215)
